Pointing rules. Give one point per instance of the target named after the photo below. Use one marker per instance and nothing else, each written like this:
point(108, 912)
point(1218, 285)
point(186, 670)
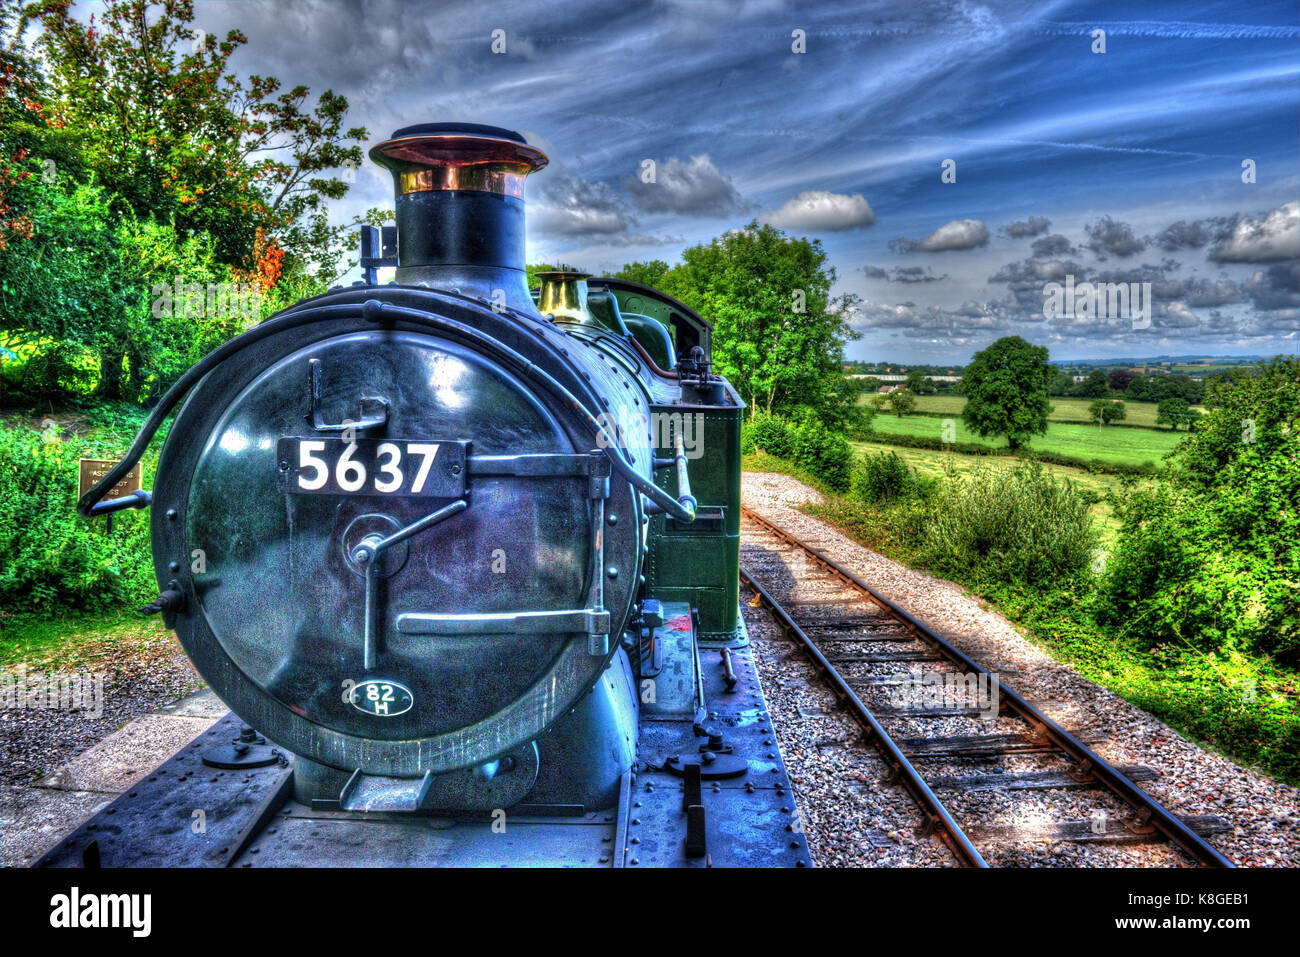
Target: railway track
point(910, 689)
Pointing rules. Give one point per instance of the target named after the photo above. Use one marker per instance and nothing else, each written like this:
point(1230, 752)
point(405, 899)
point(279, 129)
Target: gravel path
point(140, 673)
point(851, 821)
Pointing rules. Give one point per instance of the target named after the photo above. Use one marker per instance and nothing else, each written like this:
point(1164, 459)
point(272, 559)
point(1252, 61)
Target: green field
point(931, 464)
point(1063, 410)
point(1120, 446)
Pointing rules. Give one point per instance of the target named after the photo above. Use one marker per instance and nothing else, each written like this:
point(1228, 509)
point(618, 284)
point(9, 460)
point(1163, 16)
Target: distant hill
point(1153, 360)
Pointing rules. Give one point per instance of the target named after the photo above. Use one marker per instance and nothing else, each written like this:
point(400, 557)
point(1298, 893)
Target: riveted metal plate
point(182, 815)
point(336, 840)
point(741, 830)
point(748, 735)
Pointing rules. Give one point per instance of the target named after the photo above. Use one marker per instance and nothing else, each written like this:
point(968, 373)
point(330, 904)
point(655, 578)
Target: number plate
point(383, 699)
point(433, 468)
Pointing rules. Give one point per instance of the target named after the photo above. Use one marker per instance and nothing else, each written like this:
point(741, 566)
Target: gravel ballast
point(852, 817)
point(139, 673)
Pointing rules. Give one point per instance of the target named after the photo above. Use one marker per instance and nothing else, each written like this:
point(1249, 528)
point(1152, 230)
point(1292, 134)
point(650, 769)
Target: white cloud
point(958, 234)
point(1272, 239)
point(817, 210)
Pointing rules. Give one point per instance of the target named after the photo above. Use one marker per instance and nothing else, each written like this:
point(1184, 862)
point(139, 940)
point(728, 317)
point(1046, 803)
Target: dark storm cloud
point(694, 188)
point(1110, 237)
point(1027, 228)
point(1185, 235)
point(1026, 278)
point(1053, 247)
point(1277, 287)
point(570, 206)
point(903, 274)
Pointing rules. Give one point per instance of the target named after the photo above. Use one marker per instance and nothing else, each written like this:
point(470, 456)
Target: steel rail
point(1151, 813)
point(937, 815)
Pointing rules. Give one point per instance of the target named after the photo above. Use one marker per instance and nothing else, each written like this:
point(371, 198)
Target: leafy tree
point(1093, 387)
point(869, 384)
point(647, 274)
point(900, 402)
point(1172, 412)
point(1106, 411)
point(172, 132)
point(1138, 390)
point(1006, 391)
point(1120, 378)
point(1211, 557)
point(916, 381)
point(778, 333)
point(58, 298)
point(1250, 421)
point(1061, 383)
point(1159, 387)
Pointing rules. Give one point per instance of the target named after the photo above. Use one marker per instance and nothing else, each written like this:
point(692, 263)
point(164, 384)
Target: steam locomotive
point(461, 558)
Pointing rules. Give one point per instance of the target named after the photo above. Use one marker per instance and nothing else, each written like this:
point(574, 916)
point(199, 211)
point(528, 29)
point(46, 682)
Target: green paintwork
point(698, 562)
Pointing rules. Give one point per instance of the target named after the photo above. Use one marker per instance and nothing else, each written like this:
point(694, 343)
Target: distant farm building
point(903, 378)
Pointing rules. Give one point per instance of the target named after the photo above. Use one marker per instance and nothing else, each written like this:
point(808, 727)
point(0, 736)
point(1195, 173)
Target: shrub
point(809, 444)
point(53, 559)
point(880, 477)
point(826, 454)
point(768, 433)
point(1020, 524)
point(1211, 559)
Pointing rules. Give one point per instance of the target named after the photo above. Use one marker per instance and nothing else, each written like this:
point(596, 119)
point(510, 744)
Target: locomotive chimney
point(460, 208)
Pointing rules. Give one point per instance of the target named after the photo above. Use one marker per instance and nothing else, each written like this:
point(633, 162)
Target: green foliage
point(55, 561)
point(809, 444)
point(135, 158)
point(1157, 387)
point(768, 433)
point(1106, 411)
point(647, 274)
point(56, 285)
point(900, 401)
point(1006, 391)
point(1175, 412)
point(1211, 560)
point(778, 333)
point(882, 476)
point(1094, 387)
point(82, 295)
point(1021, 524)
point(1060, 384)
point(917, 382)
point(173, 132)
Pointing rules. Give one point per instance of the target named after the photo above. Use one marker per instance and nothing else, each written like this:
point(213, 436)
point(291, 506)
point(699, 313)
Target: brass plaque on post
point(92, 470)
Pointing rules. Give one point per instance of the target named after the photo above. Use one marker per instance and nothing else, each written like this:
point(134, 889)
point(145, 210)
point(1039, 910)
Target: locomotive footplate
point(748, 819)
point(188, 814)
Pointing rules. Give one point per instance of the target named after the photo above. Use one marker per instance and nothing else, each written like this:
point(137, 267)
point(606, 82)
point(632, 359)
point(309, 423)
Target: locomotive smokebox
point(460, 208)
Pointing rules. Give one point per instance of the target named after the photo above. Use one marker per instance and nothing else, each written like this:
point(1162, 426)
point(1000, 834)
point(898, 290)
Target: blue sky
point(1115, 166)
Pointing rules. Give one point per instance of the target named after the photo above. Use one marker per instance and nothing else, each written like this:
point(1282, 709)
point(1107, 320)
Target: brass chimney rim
point(458, 161)
point(562, 275)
